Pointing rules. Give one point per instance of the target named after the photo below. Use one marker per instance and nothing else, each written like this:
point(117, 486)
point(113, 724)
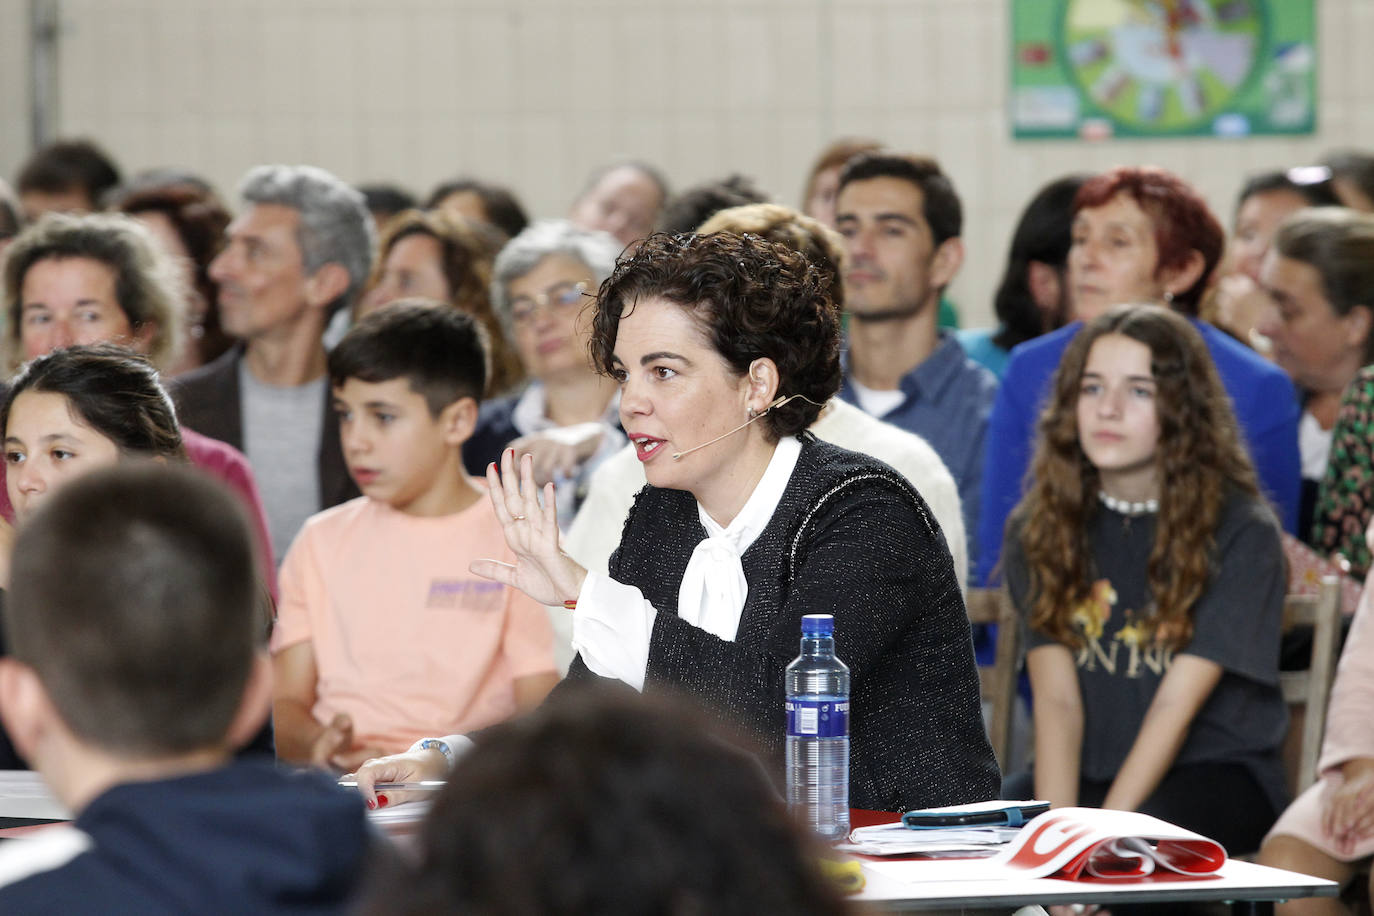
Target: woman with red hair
point(1140, 234)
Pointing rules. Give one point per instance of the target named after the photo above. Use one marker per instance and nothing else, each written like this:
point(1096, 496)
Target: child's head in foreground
point(603, 800)
point(132, 624)
point(407, 380)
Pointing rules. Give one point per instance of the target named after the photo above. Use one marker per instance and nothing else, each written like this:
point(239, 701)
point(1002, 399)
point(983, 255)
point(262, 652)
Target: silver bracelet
point(440, 746)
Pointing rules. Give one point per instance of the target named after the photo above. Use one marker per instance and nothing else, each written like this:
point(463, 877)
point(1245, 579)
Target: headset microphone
point(777, 403)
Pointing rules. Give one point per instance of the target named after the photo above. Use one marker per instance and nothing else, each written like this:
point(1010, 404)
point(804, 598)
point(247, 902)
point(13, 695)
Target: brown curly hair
point(466, 258)
point(754, 298)
point(1200, 458)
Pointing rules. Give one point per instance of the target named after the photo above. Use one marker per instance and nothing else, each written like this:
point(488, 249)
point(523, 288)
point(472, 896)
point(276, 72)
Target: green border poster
point(1162, 68)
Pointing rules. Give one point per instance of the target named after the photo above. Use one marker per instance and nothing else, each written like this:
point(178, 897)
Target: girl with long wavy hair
point(1150, 575)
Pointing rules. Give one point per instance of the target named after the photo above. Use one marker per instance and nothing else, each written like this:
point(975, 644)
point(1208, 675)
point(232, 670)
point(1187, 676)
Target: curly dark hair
point(1199, 459)
point(754, 298)
point(605, 801)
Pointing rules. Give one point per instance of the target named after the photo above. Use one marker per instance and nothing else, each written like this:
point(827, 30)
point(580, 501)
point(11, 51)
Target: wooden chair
point(998, 683)
point(1311, 689)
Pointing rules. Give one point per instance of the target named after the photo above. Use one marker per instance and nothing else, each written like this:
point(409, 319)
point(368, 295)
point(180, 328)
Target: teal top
point(977, 343)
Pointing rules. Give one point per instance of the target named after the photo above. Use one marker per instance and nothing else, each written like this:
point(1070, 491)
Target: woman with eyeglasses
point(567, 417)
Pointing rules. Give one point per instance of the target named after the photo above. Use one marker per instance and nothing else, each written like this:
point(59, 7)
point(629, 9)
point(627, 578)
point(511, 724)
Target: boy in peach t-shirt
point(383, 635)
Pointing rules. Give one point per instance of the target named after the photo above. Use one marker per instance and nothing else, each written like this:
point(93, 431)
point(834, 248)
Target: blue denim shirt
point(948, 400)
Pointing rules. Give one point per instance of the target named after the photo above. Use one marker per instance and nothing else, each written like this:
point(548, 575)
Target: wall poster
point(1162, 68)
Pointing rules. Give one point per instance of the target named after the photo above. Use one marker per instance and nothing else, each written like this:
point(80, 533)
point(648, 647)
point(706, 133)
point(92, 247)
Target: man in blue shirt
point(901, 219)
point(1139, 234)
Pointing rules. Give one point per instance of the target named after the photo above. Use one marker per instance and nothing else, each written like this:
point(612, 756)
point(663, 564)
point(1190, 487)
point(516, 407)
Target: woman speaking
point(724, 347)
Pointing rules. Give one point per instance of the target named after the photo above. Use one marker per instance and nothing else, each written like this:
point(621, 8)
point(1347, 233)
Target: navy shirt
point(948, 400)
point(246, 838)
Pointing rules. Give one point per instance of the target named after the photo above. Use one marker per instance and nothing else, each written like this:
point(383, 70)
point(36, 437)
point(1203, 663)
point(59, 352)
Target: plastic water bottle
point(818, 731)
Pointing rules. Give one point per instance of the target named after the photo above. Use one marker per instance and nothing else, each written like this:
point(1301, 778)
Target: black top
point(1236, 624)
point(851, 538)
point(495, 430)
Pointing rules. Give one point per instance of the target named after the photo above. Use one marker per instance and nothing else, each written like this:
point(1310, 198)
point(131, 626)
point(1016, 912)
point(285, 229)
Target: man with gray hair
point(299, 252)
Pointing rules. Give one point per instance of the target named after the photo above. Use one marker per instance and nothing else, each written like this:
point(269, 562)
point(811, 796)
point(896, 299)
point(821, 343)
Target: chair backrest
point(1311, 689)
point(998, 683)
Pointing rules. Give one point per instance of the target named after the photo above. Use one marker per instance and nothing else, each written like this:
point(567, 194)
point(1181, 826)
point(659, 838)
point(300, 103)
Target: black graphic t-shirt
point(1236, 625)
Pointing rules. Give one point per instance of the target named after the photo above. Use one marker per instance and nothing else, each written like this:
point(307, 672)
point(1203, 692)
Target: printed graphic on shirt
point(465, 594)
point(1131, 650)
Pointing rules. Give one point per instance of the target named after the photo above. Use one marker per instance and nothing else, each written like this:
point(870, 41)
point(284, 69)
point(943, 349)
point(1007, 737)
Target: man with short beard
point(901, 220)
point(298, 253)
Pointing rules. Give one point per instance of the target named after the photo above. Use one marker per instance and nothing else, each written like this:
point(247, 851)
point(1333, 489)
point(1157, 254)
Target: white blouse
point(614, 622)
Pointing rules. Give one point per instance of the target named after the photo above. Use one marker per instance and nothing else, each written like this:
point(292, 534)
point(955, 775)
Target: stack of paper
point(899, 840)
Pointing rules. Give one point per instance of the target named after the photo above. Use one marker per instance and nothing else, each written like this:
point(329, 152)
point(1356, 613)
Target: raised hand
point(541, 569)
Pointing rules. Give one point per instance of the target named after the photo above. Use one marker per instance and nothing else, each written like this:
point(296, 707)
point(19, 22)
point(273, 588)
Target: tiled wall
point(537, 92)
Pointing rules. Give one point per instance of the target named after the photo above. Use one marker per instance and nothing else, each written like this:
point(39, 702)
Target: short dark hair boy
point(439, 350)
point(135, 671)
point(407, 380)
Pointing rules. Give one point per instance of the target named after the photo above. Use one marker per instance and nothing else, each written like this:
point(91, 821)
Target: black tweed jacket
point(851, 538)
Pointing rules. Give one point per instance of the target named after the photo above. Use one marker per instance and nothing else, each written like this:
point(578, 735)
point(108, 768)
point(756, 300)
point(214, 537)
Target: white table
point(1236, 881)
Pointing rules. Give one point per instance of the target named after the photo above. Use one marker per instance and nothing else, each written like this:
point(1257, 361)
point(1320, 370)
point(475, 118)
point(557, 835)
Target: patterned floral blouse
point(1345, 500)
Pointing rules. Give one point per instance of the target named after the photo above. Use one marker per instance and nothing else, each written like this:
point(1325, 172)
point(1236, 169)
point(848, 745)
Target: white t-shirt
point(877, 403)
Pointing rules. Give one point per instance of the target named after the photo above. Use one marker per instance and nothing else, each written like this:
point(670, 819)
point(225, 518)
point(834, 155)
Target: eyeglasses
point(558, 298)
point(1304, 175)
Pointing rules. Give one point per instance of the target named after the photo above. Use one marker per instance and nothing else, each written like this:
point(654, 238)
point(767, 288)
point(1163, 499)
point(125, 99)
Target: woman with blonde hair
point(1151, 578)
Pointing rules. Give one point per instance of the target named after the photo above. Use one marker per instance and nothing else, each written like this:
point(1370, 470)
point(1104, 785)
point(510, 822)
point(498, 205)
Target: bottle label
point(817, 717)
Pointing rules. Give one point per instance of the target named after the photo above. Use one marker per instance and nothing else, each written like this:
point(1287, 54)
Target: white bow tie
point(713, 589)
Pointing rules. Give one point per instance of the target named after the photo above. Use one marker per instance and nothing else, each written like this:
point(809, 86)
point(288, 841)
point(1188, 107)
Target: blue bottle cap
point(818, 625)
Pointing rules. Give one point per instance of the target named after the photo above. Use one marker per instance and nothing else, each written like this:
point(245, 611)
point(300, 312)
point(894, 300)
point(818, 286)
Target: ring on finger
point(518, 518)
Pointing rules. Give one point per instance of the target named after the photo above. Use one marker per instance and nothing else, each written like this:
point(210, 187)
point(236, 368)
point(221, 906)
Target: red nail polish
point(381, 801)
point(371, 804)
